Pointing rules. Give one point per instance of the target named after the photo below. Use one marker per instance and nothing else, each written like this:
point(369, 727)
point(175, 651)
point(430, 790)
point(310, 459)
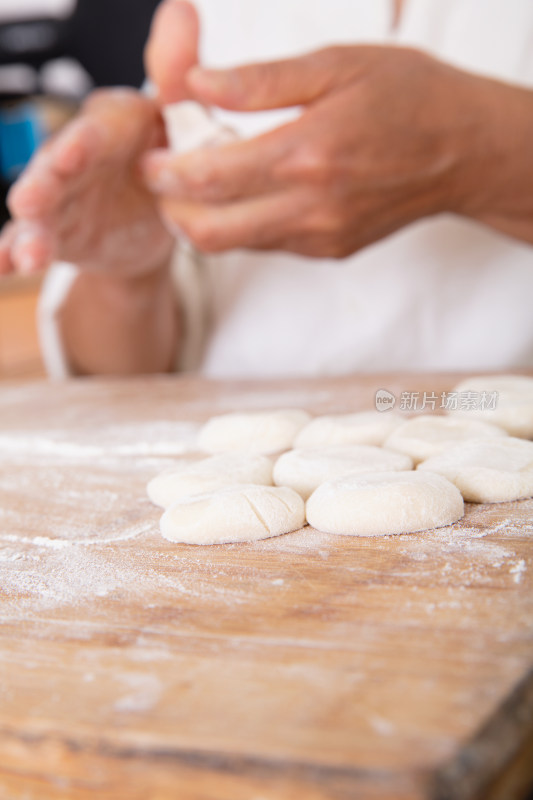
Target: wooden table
point(302, 667)
point(20, 356)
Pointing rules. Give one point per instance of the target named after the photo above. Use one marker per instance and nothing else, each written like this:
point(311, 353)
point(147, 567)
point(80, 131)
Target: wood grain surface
point(303, 667)
point(19, 346)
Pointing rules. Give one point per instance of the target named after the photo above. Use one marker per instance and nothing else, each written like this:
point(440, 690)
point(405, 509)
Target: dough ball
point(209, 475)
point(385, 503)
point(257, 432)
point(366, 427)
point(487, 470)
point(514, 406)
point(426, 436)
point(240, 514)
point(305, 469)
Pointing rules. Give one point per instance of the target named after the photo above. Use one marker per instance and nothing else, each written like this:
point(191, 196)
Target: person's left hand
point(383, 140)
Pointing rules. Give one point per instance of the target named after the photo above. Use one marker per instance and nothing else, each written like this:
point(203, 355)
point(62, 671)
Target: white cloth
point(56, 287)
point(442, 294)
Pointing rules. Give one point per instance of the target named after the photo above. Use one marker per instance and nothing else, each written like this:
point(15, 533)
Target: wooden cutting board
point(304, 666)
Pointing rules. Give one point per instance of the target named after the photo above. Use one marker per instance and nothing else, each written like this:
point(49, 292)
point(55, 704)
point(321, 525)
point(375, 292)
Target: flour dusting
point(518, 570)
point(159, 438)
point(78, 535)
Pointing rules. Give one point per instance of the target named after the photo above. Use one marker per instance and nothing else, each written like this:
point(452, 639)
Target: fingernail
point(165, 182)
point(211, 79)
point(27, 263)
point(23, 254)
point(28, 235)
point(181, 7)
point(159, 175)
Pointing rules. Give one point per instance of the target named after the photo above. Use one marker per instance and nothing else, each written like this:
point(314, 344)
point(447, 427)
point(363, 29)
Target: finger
point(260, 223)
point(7, 237)
point(35, 193)
point(112, 126)
point(278, 84)
point(41, 187)
point(75, 150)
point(123, 121)
point(172, 49)
point(32, 248)
point(219, 174)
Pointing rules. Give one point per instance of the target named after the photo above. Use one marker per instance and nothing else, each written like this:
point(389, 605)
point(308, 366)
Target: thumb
point(172, 49)
point(275, 84)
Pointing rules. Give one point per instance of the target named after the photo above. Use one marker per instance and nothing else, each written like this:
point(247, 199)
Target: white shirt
point(443, 294)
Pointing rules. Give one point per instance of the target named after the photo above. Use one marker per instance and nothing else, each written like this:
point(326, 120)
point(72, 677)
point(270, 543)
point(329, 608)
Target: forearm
point(121, 326)
point(496, 185)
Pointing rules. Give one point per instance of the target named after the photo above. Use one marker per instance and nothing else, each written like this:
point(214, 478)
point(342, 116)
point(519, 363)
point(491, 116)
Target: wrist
point(151, 267)
point(121, 324)
point(493, 151)
point(130, 292)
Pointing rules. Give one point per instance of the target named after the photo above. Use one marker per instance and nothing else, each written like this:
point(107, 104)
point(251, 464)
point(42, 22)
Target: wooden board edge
point(155, 772)
point(484, 761)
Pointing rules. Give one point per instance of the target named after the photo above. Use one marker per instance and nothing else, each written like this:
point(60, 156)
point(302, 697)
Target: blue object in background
point(21, 134)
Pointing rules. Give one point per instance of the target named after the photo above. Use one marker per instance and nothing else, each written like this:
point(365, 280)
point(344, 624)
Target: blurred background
point(52, 53)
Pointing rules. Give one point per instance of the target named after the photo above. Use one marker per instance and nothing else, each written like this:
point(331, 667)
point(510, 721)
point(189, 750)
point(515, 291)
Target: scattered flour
point(76, 574)
point(144, 693)
point(68, 494)
point(518, 570)
point(161, 438)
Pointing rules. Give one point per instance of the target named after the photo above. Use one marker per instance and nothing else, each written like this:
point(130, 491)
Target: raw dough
point(426, 436)
point(190, 126)
point(257, 432)
point(488, 471)
point(208, 475)
point(514, 408)
point(366, 427)
point(305, 469)
point(385, 503)
point(240, 514)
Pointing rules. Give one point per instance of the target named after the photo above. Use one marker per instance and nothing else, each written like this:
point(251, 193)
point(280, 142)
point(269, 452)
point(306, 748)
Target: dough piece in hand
point(426, 436)
point(366, 427)
point(385, 503)
point(191, 126)
point(514, 405)
point(240, 514)
point(255, 432)
point(305, 469)
point(487, 470)
point(209, 475)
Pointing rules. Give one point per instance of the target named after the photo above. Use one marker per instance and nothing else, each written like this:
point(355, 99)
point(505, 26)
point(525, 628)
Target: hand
point(172, 49)
point(380, 143)
point(82, 199)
